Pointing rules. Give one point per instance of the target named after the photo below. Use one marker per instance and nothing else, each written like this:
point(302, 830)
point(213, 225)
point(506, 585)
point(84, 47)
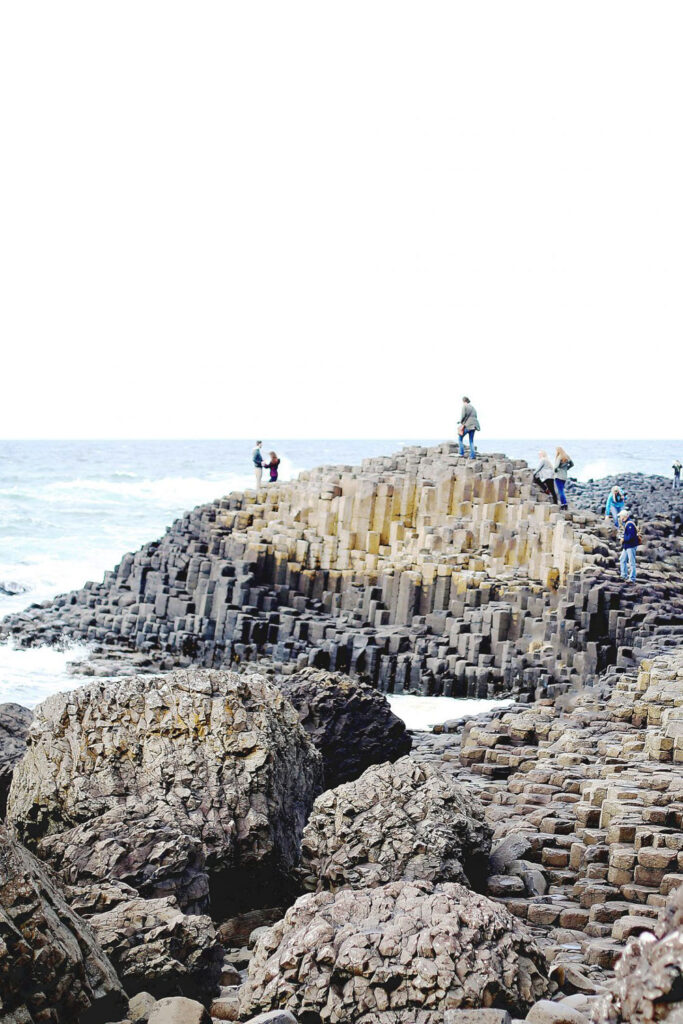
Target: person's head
point(259, 443)
point(273, 455)
point(542, 454)
point(624, 515)
point(561, 453)
point(616, 493)
point(465, 399)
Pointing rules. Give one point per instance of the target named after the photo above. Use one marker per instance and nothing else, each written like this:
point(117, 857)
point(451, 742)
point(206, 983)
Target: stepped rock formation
point(193, 784)
point(402, 820)
point(49, 957)
point(422, 571)
point(402, 946)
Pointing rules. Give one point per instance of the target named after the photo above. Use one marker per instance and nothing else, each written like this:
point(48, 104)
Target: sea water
point(70, 509)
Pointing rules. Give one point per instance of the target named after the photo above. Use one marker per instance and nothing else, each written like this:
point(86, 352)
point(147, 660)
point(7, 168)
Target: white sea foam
point(30, 674)
point(423, 713)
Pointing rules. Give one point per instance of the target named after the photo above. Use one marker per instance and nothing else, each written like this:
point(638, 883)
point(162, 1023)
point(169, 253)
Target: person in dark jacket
point(562, 466)
point(257, 459)
point(468, 423)
point(677, 474)
point(629, 543)
point(272, 465)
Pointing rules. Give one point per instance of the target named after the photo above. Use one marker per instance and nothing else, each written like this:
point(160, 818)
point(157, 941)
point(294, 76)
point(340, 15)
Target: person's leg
point(472, 451)
point(632, 562)
point(615, 517)
point(559, 484)
point(258, 472)
point(623, 563)
point(460, 443)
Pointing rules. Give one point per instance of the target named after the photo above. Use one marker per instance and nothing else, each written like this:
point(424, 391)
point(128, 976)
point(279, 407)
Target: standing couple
point(260, 465)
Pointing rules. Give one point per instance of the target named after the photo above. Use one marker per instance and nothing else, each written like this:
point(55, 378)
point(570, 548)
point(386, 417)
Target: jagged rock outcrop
point(195, 784)
point(398, 947)
point(14, 725)
point(648, 983)
point(156, 948)
point(350, 723)
point(49, 957)
point(397, 821)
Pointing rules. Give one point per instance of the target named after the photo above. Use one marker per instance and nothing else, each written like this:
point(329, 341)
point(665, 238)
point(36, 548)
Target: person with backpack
point(562, 466)
point(677, 474)
point(272, 465)
point(467, 425)
point(544, 474)
point(615, 505)
point(629, 543)
point(257, 459)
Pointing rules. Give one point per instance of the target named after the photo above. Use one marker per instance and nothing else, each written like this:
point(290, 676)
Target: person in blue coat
point(629, 543)
point(615, 504)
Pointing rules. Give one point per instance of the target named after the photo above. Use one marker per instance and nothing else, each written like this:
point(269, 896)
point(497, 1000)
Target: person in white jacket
point(544, 474)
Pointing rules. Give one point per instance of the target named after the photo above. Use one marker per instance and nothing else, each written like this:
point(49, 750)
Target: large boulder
point(195, 784)
point(350, 722)
point(403, 820)
point(14, 725)
point(49, 957)
point(648, 982)
point(352, 955)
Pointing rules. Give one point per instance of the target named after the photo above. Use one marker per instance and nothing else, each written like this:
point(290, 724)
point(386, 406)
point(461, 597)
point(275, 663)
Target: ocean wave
point(30, 674)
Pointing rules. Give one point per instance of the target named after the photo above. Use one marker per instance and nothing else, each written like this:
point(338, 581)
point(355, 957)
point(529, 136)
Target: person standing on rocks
point(677, 474)
point(467, 425)
point(562, 466)
point(615, 504)
point(257, 459)
point(544, 474)
point(629, 543)
point(272, 466)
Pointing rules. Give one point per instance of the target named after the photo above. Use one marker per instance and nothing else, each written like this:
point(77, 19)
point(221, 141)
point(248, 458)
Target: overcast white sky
point(332, 220)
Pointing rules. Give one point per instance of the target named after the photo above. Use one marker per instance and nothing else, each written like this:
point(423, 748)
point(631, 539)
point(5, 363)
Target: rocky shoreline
point(244, 831)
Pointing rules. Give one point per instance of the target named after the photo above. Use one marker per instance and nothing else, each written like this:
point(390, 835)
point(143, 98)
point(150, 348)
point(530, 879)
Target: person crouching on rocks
point(544, 474)
point(629, 543)
point(272, 465)
point(467, 425)
point(562, 466)
point(615, 504)
point(677, 474)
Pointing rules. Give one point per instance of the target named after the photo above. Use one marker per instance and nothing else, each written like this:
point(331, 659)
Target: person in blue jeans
point(467, 425)
point(629, 543)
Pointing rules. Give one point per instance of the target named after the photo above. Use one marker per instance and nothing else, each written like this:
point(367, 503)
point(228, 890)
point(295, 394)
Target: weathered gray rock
point(49, 957)
point(402, 948)
point(178, 1010)
point(274, 1017)
point(404, 820)
point(547, 1012)
point(350, 722)
point(648, 976)
point(141, 1006)
point(195, 784)
point(156, 948)
point(14, 725)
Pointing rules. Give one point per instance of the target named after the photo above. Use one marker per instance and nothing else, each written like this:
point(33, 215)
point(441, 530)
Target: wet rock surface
point(14, 725)
point(400, 947)
point(397, 821)
point(49, 957)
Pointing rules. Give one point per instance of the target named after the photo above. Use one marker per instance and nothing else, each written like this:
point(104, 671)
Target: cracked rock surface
point(403, 946)
point(49, 957)
point(404, 820)
point(195, 784)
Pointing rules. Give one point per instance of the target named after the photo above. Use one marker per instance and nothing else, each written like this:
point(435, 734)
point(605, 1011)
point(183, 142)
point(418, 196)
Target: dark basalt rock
point(14, 725)
point(50, 960)
point(350, 722)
